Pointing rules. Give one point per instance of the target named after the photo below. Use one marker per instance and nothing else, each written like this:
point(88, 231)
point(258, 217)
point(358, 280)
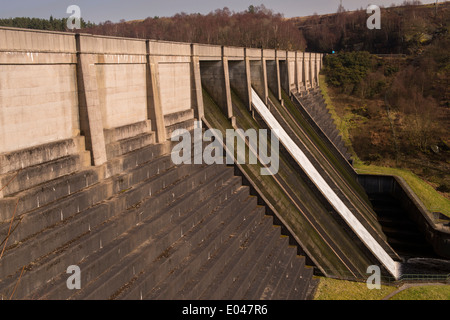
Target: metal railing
point(389, 280)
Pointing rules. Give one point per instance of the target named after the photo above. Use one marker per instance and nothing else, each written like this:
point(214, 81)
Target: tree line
point(51, 24)
point(256, 27)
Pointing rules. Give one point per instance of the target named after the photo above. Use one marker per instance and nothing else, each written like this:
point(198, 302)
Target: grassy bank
point(332, 289)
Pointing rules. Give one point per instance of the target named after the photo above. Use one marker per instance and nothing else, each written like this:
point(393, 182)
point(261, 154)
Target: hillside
point(404, 29)
point(393, 109)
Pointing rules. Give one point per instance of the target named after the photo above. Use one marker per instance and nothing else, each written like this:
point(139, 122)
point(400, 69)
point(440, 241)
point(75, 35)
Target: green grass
point(431, 292)
point(431, 199)
point(332, 289)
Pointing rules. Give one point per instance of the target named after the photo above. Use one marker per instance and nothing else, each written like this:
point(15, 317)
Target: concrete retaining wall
point(437, 234)
point(38, 90)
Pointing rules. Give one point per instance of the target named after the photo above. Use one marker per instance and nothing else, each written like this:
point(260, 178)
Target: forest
point(404, 29)
point(51, 24)
point(256, 27)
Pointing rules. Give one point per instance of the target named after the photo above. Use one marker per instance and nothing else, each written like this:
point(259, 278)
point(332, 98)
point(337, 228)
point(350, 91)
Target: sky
point(114, 10)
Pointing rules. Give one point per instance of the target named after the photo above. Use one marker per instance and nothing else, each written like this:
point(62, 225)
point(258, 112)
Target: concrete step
point(16, 160)
point(45, 217)
point(31, 176)
point(248, 217)
point(48, 192)
point(127, 131)
point(135, 158)
point(185, 254)
point(281, 267)
point(73, 227)
point(113, 218)
point(288, 276)
point(247, 273)
point(257, 287)
point(34, 222)
point(304, 286)
point(291, 284)
point(115, 264)
point(340, 145)
point(226, 277)
point(333, 135)
point(163, 280)
point(177, 117)
point(126, 145)
point(312, 287)
point(325, 120)
point(184, 125)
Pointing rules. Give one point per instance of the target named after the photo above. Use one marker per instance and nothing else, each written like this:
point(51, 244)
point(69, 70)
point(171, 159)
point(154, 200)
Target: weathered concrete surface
point(39, 105)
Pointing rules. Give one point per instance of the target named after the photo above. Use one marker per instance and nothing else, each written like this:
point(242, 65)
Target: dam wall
point(85, 127)
point(57, 86)
point(86, 177)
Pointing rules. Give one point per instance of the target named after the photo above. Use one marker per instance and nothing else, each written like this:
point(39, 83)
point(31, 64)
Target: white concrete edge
point(391, 265)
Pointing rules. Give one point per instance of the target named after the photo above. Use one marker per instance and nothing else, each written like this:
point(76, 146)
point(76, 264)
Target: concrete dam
point(89, 187)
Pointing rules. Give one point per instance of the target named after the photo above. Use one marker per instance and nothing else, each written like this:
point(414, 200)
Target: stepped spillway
point(152, 230)
point(300, 157)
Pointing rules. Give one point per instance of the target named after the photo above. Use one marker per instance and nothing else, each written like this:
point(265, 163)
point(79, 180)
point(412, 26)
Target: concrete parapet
point(15, 39)
point(253, 54)
point(269, 54)
point(111, 45)
point(167, 48)
point(207, 52)
point(234, 53)
point(281, 54)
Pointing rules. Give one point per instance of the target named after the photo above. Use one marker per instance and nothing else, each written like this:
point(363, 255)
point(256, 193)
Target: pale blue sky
point(114, 10)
